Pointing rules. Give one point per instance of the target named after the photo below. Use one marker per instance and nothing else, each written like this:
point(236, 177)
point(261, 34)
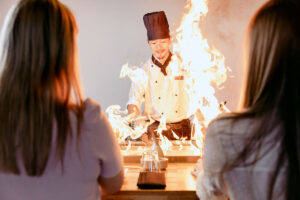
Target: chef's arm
point(137, 95)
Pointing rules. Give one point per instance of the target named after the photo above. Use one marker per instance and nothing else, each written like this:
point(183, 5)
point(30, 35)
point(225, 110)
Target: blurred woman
point(53, 145)
point(255, 154)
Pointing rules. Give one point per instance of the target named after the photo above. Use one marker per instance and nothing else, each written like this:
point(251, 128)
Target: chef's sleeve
point(137, 90)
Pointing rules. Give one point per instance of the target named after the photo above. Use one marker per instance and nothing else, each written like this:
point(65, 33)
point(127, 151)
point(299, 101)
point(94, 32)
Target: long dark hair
point(272, 91)
point(38, 85)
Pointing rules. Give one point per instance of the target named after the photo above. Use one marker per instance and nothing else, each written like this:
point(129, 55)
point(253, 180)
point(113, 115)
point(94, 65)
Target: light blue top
point(223, 141)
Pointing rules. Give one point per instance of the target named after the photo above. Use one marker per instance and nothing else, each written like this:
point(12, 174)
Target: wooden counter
point(181, 184)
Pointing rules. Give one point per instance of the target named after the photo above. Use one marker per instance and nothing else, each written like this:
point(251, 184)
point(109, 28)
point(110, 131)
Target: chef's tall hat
point(157, 25)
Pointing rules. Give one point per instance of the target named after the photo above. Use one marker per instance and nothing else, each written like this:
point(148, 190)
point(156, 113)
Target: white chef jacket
point(163, 95)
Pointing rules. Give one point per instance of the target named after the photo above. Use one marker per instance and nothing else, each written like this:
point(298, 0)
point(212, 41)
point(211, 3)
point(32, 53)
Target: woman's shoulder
point(95, 124)
point(230, 125)
point(91, 105)
point(93, 113)
point(231, 122)
point(221, 123)
point(93, 110)
point(224, 137)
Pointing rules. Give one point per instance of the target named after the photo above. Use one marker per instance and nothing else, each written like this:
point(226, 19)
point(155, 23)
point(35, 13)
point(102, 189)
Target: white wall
point(111, 33)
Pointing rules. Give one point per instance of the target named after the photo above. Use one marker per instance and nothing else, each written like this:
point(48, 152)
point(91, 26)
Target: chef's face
point(160, 48)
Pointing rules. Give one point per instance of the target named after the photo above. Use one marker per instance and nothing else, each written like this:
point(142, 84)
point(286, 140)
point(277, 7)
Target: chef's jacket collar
point(164, 66)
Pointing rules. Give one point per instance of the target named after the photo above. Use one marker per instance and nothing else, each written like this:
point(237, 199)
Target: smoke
point(225, 27)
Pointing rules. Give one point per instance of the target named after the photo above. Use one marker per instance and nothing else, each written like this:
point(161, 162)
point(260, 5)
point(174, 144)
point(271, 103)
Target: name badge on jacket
point(179, 77)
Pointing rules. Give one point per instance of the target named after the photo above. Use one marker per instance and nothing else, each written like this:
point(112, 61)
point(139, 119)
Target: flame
point(174, 135)
point(121, 124)
point(165, 144)
point(162, 126)
point(134, 73)
point(129, 146)
point(204, 70)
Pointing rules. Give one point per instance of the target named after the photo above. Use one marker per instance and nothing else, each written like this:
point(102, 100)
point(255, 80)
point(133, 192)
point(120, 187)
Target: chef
point(162, 86)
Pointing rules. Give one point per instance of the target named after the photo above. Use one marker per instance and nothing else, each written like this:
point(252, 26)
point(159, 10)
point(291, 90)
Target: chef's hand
point(137, 123)
point(133, 110)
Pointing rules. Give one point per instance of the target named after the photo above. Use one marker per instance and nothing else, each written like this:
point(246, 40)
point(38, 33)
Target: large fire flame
point(204, 68)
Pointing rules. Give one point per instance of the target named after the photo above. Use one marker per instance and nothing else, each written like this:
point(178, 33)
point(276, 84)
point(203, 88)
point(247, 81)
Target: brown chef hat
point(157, 25)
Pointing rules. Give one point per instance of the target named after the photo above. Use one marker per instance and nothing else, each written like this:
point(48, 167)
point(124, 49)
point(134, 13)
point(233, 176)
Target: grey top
point(99, 156)
point(223, 140)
